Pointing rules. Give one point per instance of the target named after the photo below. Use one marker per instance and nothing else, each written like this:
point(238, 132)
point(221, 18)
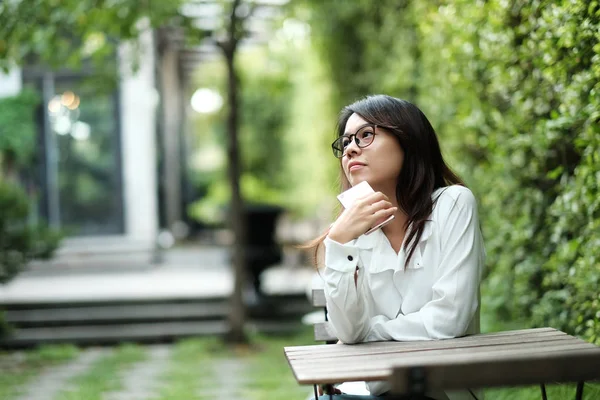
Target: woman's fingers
point(358, 219)
point(384, 213)
point(380, 205)
point(381, 215)
point(372, 209)
point(372, 198)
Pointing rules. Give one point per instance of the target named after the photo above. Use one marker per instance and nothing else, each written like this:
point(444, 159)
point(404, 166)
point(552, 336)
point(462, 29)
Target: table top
point(529, 356)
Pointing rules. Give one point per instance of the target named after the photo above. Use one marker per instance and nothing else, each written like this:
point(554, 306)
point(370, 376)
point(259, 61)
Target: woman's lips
point(355, 167)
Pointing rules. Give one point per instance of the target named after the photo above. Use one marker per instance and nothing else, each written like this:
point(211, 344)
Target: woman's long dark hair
point(423, 170)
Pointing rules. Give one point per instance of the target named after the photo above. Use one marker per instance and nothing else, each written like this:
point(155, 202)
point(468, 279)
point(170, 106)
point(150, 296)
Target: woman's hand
point(328, 389)
point(359, 218)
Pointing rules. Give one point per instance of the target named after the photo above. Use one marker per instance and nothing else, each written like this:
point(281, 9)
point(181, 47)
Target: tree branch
point(233, 20)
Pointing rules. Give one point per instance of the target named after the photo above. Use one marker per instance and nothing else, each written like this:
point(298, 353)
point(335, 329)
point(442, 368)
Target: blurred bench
point(324, 331)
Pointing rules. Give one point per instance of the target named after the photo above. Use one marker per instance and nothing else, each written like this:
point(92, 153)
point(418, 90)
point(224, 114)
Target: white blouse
point(434, 296)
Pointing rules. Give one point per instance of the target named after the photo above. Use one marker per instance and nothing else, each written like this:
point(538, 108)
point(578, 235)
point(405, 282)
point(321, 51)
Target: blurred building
point(111, 167)
point(110, 160)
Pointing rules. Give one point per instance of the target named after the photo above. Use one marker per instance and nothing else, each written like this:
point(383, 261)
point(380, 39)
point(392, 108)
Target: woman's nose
point(352, 148)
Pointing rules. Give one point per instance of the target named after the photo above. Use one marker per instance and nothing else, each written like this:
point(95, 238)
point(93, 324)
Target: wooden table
point(523, 357)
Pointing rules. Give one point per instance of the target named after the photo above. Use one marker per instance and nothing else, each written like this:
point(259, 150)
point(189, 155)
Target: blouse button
point(350, 258)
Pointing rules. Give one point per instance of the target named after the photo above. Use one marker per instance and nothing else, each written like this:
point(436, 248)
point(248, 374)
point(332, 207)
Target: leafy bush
point(20, 241)
point(17, 130)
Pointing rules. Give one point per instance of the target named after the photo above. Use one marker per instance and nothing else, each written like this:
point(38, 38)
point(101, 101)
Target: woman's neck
point(395, 229)
point(398, 223)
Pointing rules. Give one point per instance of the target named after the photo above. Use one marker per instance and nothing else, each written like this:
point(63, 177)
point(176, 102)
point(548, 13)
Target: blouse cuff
point(341, 257)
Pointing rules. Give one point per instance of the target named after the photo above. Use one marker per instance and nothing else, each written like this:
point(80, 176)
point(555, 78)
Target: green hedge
point(17, 130)
point(513, 90)
point(21, 241)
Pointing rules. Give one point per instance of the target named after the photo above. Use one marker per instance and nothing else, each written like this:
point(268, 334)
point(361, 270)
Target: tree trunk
point(237, 313)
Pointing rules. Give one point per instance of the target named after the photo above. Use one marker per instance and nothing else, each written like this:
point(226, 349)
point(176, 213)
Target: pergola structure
point(177, 60)
point(210, 17)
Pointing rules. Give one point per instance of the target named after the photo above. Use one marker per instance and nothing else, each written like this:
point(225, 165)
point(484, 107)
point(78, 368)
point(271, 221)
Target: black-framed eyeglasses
point(363, 137)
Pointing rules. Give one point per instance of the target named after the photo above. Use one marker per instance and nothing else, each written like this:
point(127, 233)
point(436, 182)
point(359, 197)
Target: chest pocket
point(419, 258)
point(416, 262)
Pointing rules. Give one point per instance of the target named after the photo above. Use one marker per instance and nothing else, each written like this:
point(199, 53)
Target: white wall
point(138, 106)
point(138, 140)
point(10, 84)
point(138, 158)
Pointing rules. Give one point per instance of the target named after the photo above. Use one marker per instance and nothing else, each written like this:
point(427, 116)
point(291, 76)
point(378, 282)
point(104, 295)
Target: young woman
point(416, 278)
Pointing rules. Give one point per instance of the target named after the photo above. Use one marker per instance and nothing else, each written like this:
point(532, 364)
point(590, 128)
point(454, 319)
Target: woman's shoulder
point(449, 197)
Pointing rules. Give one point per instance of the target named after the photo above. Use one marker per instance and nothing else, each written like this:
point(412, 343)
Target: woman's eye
point(366, 134)
point(345, 142)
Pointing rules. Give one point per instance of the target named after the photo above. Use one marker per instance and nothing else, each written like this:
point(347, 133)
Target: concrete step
point(143, 321)
point(115, 314)
point(157, 332)
point(109, 334)
point(188, 294)
point(98, 252)
point(274, 307)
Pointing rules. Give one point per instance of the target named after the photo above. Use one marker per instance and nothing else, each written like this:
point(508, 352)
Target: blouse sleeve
point(455, 298)
point(345, 304)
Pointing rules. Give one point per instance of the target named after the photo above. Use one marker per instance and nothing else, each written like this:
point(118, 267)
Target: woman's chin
point(355, 180)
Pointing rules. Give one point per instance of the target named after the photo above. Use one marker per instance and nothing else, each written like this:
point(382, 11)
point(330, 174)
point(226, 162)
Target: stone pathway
point(141, 380)
point(55, 379)
point(229, 377)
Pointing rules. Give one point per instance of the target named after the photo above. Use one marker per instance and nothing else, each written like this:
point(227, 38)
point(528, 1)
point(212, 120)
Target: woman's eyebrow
point(358, 129)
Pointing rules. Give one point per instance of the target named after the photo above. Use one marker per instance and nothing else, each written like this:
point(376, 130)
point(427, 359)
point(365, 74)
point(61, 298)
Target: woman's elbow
point(349, 339)
point(348, 334)
point(447, 328)
point(441, 333)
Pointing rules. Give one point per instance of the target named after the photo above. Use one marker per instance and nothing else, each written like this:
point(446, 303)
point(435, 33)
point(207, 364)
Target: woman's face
point(379, 163)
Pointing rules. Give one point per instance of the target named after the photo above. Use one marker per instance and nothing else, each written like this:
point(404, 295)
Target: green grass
point(104, 375)
point(190, 372)
point(189, 369)
point(270, 374)
point(558, 392)
point(18, 368)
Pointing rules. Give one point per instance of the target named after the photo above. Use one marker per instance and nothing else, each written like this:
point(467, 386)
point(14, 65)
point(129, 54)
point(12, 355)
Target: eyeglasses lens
point(363, 138)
